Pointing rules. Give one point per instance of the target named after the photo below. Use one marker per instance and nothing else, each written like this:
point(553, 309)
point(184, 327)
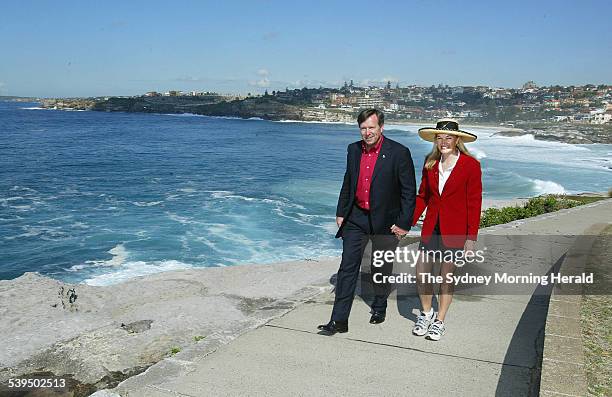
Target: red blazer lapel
point(435, 178)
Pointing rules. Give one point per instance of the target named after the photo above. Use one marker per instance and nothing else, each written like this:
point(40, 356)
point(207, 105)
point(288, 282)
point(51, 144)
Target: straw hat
point(446, 126)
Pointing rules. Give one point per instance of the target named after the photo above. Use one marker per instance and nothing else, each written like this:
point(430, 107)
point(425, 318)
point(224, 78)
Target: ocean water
point(101, 197)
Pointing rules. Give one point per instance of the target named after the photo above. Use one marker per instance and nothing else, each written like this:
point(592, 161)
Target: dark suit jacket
point(393, 188)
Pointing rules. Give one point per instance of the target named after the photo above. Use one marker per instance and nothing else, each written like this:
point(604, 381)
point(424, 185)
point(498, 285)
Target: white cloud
point(313, 83)
point(391, 79)
point(265, 82)
point(378, 82)
point(263, 79)
point(188, 79)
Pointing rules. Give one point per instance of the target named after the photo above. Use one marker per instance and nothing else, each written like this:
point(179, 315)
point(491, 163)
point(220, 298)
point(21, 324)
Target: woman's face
point(446, 143)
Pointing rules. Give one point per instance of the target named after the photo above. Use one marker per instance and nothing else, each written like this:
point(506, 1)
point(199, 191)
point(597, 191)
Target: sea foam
point(130, 270)
point(547, 187)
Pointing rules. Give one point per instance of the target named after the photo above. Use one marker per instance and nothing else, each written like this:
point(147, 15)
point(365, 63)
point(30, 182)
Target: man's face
point(371, 131)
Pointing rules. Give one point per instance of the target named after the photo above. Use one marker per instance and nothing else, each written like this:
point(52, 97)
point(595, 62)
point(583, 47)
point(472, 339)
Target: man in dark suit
point(376, 203)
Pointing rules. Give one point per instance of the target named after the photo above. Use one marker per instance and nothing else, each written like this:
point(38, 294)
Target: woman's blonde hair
point(435, 154)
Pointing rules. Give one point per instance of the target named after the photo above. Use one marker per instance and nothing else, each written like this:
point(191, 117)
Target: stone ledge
point(563, 372)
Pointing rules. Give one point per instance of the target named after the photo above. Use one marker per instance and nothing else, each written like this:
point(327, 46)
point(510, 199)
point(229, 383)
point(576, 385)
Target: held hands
point(398, 231)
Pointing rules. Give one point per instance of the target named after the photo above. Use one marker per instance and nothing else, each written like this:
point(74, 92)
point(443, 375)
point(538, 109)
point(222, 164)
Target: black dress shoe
point(377, 317)
point(333, 327)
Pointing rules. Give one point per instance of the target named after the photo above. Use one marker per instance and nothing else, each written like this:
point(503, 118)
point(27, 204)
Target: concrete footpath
point(492, 346)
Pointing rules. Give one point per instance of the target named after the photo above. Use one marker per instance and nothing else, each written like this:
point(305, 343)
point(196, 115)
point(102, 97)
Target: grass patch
point(596, 316)
point(535, 206)
point(198, 338)
point(583, 199)
point(174, 350)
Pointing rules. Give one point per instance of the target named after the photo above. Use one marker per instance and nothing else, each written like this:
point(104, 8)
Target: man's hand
point(470, 246)
point(398, 231)
point(339, 220)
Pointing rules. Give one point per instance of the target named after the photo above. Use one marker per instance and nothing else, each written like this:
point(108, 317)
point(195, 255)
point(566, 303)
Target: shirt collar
point(375, 148)
point(450, 168)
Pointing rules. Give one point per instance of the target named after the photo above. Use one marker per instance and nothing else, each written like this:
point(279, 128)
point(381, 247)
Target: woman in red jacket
point(451, 190)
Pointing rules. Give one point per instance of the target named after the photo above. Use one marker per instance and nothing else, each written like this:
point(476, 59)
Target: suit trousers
point(356, 234)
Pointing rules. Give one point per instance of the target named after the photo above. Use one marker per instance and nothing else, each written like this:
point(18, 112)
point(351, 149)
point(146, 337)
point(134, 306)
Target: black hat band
point(447, 125)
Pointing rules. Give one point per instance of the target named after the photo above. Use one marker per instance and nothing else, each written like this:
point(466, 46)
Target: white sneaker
point(423, 322)
point(436, 330)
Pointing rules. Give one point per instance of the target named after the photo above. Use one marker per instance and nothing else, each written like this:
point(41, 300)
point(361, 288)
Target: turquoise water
point(101, 197)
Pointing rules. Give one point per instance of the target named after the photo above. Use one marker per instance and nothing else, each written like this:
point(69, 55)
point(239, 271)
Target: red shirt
point(366, 169)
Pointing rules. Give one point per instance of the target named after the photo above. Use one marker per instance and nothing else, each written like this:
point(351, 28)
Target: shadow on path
point(528, 336)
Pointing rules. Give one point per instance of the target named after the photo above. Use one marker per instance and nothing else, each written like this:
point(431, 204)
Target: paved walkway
point(492, 346)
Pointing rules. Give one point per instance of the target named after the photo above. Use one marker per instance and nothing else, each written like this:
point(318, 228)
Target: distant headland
point(574, 114)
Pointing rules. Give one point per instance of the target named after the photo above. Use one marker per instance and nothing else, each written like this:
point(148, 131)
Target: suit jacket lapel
point(356, 166)
point(382, 158)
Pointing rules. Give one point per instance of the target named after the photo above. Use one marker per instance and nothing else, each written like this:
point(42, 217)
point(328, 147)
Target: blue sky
point(82, 48)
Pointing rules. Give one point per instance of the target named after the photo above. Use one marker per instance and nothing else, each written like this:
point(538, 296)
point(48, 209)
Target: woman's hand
point(469, 246)
point(398, 231)
point(339, 221)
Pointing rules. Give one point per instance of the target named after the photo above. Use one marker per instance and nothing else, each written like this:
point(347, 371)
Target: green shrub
point(534, 207)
